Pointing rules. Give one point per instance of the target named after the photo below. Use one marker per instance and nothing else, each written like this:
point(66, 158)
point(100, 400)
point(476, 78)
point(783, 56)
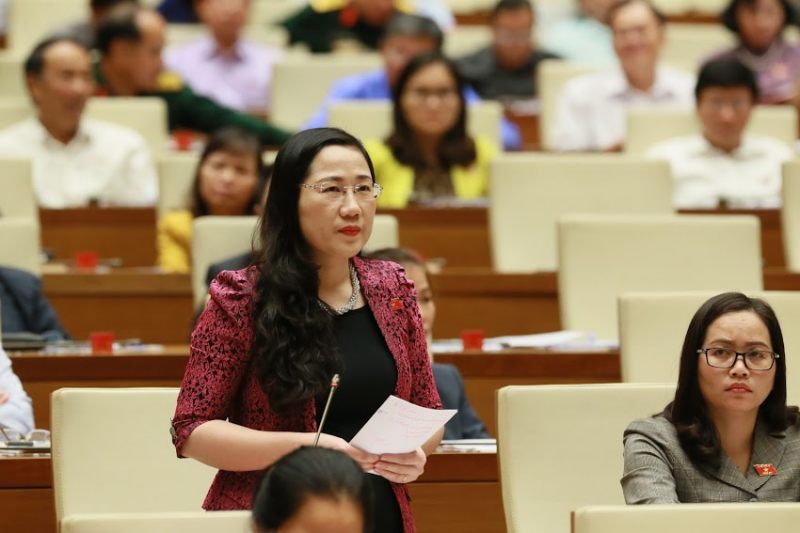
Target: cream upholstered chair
point(560, 448)
point(779, 122)
point(300, 84)
point(176, 172)
point(695, 43)
point(373, 119)
point(781, 517)
point(20, 249)
point(17, 198)
point(12, 77)
point(112, 453)
point(652, 326)
point(30, 21)
point(551, 78)
point(262, 34)
point(528, 192)
point(216, 239)
point(270, 12)
point(194, 522)
point(790, 214)
point(601, 257)
point(466, 39)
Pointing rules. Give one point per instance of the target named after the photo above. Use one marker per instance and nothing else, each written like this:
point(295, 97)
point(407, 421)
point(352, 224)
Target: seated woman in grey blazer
point(728, 436)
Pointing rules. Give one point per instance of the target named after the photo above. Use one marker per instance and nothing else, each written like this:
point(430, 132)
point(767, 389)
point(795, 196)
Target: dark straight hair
point(510, 5)
point(727, 73)
point(728, 16)
point(34, 63)
point(456, 148)
point(304, 473)
point(622, 4)
point(294, 350)
point(689, 411)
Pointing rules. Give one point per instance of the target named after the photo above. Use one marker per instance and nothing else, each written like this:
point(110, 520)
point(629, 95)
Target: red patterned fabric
point(218, 385)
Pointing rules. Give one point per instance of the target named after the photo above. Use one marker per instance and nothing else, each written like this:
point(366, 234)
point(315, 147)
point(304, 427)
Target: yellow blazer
point(398, 180)
point(175, 241)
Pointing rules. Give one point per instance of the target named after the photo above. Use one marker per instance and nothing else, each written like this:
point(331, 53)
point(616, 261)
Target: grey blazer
point(657, 470)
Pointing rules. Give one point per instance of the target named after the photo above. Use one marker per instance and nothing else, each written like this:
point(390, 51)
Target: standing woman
point(429, 156)
point(272, 336)
point(728, 436)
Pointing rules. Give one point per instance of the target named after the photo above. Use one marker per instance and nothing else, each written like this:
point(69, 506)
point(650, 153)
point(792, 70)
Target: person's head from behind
point(512, 30)
point(315, 490)
point(374, 12)
point(407, 36)
point(58, 74)
point(759, 23)
point(225, 19)
point(725, 93)
point(130, 40)
point(227, 179)
point(100, 8)
point(417, 273)
point(597, 9)
point(638, 34)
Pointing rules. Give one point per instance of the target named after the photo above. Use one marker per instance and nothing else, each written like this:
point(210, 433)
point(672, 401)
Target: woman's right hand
point(365, 459)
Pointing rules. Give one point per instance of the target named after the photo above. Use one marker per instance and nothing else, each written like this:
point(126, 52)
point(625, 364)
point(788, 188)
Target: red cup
point(473, 339)
point(183, 139)
point(86, 259)
point(102, 342)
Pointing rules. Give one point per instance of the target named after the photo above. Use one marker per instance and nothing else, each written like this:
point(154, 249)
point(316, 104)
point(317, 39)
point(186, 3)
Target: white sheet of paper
point(399, 426)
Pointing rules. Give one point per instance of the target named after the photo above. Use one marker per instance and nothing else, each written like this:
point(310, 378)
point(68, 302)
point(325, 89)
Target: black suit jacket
point(234, 263)
point(466, 424)
point(23, 308)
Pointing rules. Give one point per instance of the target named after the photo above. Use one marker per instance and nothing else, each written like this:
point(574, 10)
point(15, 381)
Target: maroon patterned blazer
point(219, 382)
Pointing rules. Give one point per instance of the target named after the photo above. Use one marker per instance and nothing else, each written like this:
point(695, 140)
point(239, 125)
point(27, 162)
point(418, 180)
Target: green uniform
point(187, 110)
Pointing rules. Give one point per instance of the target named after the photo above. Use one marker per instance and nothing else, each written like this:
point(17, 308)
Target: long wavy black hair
point(689, 411)
point(294, 349)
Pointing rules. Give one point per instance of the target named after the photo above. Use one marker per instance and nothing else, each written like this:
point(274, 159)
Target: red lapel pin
point(395, 304)
point(765, 470)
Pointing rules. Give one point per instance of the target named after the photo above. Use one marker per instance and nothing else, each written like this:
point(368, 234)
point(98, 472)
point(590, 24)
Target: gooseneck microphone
point(334, 386)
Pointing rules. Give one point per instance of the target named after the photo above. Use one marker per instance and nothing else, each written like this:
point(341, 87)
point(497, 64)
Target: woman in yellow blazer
point(228, 182)
point(429, 157)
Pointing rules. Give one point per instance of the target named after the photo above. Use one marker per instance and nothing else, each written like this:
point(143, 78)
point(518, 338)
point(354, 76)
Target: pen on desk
point(334, 386)
point(3, 431)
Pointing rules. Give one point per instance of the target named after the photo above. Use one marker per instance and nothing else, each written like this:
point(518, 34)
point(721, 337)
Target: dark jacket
point(23, 307)
point(466, 424)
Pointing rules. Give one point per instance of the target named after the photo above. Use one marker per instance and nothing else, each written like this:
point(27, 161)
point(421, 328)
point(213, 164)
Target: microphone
point(334, 386)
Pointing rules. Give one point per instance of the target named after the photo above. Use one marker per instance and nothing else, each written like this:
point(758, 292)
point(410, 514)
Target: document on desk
point(399, 426)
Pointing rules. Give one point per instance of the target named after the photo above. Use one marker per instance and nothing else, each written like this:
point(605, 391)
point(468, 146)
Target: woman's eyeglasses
point(335, 192)
point(726, 358)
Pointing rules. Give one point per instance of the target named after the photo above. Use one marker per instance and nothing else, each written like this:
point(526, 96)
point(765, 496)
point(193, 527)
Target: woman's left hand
point(402, 467)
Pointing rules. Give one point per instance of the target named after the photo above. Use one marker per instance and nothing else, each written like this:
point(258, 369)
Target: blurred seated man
point(16, 412)
point(406, 36)
point(23, 307)
point(76, 160)
point(84, 31)
point(722, 164)
point(586, 37)
point(223, 66)
point(591, 112)
point(130, 40)
point(507, 68)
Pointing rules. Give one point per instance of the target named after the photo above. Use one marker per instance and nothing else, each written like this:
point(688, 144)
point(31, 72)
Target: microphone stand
point(334, 386)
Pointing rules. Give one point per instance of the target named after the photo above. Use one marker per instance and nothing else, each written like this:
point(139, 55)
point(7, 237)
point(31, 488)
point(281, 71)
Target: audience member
point(591, 111)
point(226, 183)
point(406, 36)
point(760, 25)
point(224, 66)
point(586, 37)
point(130, 40)
point(313, 489)
point(507, 68)
point(728, 436)
point(85, 31)
point(429, 157)
point(16, 412)
point(178, 11)
point(721, 164)
point(466, 424)
point(23, 307)
point(76, 160)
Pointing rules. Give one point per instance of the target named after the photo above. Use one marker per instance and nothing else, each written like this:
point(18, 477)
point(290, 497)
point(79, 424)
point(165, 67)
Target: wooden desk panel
point(128, 234)
point(26, 495)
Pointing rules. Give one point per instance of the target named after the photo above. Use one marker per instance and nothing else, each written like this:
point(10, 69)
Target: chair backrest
point(112, 454)
point(373, 119)
point(465, 39)
point(20, 249)
point(194, 522)
point(17, 199)
point(781, 517)
point(652, 326)
point(529, 192)
point(175, 175)
point(300, 84)
point(694, 43)
point(266, 35)
point(602, 257)
point(216, 239)
point(779, 122)
point(790, 214)
point(551, 77)
point(12, 78)
point(30, 21)
point(560, 448)
point(270, 12)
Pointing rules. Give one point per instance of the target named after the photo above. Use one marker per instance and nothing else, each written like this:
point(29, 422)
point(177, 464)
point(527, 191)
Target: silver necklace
point(353, 299)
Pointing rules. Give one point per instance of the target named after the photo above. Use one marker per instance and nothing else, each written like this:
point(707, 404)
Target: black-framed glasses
point(726, 358)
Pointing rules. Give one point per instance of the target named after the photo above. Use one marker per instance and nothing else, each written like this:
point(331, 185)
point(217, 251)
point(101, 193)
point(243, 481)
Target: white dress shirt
point(104, 162)
point(703, 176)
point(591, 112)
point(16, 413)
